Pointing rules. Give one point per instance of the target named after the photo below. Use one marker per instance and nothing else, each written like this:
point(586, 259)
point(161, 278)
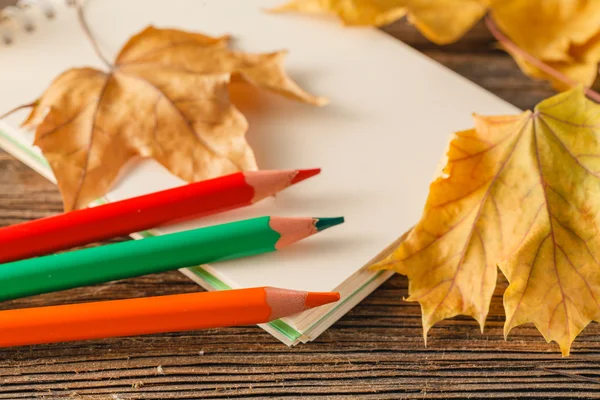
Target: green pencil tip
point(324, 223)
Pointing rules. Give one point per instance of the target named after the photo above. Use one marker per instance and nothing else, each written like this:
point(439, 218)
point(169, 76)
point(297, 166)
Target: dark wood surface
point(374, 352)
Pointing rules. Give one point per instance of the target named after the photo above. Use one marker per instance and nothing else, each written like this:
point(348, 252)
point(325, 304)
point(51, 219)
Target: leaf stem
point(18, 108)
point(88, 33)
point(507, 43)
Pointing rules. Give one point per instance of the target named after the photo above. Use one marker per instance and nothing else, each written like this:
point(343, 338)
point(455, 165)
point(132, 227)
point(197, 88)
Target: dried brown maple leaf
point(165, 97)
point(519, 193)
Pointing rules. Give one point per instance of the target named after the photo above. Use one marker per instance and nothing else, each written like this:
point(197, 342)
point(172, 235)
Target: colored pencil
point(156, 254)
point(76, 228)
point(175, 313)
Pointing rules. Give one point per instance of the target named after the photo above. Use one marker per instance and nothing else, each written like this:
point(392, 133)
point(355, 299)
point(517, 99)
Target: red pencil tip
point(316, 299)
point(303, 174)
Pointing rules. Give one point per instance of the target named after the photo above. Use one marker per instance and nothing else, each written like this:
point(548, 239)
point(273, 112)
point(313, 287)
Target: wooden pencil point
point(293, 230)
point(285, 302)
point(268, 183)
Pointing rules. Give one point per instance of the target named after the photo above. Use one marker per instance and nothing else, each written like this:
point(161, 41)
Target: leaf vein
point(544, 185)
point(86, 163)
point(185, 120)
point(479, 211)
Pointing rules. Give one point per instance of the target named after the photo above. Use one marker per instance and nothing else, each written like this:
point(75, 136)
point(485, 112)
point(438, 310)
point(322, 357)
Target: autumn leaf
point(173, 49)
point(166, 97)
point(441, 21)
point(563, 34)
point(548, 28)
point(521, 193)
point(580, 70)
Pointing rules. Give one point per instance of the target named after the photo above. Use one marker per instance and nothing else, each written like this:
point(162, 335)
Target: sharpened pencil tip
point(316, 299)
point(303, 174)
point(269, 183)
point(323, 223)
point(286, 302)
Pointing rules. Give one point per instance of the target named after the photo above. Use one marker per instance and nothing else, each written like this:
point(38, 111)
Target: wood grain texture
point(375, 352)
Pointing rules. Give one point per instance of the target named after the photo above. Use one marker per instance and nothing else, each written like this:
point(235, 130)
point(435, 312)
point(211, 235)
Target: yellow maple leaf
point(521, 193)
point(441, 21)
point(166, 97)
point(583, 71)
point(548, 28)
point(564, 34)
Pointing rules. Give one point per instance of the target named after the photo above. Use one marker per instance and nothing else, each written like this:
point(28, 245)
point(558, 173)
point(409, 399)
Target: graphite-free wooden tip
point(285, 302)
point(293, 229)
point(268, 183)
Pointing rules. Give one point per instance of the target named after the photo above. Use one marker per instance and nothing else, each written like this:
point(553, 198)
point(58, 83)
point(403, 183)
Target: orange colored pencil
point(147, 315)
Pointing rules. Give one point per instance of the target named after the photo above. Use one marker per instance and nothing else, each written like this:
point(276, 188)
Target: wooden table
point(375, 352)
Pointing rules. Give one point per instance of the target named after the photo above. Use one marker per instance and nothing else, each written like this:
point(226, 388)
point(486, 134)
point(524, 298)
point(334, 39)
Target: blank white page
point(392, 112)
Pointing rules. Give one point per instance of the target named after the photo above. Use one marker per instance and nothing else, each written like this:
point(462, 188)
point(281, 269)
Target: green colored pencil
point(152, 255)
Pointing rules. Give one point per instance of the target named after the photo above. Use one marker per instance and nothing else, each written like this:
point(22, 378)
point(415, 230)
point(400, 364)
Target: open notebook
point(379, 141)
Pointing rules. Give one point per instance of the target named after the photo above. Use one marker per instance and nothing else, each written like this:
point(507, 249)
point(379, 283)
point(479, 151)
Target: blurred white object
point(17, 14)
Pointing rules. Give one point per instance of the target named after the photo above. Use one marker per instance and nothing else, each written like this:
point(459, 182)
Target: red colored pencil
point(76, 228)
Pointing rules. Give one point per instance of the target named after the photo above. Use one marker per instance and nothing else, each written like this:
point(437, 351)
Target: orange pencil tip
point(316, 299)
point(303, 174)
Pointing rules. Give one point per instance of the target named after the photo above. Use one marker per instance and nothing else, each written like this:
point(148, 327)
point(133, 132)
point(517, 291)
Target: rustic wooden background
point(375, 352)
